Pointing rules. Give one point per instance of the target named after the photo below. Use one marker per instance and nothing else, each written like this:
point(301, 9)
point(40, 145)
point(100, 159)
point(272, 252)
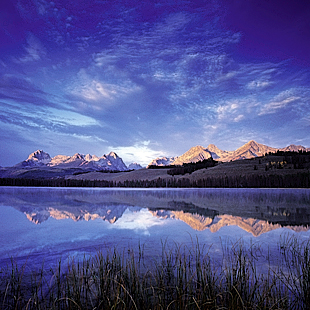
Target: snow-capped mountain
point(249, 150)
point(135, 166)
point(36, 159)
point(162, 161)
point(110, 161)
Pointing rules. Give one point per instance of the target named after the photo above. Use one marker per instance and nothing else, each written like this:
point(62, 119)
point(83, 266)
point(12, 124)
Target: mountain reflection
point(254, 210)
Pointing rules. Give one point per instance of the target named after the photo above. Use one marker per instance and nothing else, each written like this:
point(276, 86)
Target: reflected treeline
point(255, 210)
point(287, 216)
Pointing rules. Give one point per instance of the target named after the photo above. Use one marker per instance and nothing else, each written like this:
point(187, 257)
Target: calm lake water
point(46, 224)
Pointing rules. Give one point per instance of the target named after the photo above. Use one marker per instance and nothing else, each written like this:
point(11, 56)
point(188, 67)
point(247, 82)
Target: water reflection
point(200, 209)
point(46, 224)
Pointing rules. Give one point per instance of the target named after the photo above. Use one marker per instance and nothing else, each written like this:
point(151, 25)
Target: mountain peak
point(252, 143)
point(252, 149)
point(212, 146)
point(113, 154)
point(39, 155)
point(196, 148)
point(194, 154)
point(37, 158)
point(77, 156)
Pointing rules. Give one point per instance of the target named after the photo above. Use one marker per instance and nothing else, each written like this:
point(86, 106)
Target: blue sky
point(152, 78)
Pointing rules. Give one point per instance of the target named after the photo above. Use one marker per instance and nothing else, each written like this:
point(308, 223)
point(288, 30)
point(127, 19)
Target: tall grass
point(182, 277)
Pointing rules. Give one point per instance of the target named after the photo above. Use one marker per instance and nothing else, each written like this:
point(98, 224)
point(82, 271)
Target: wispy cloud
point(51, 119)
point(281, 101)
point(98, 93)
point(236, 110)
point(171, 50)
point(258, 84)
point(34, 50)
point(21, 89)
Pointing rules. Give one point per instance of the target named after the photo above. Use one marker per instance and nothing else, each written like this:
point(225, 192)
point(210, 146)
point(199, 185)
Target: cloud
point(137, 221)
point(305, 121)
point(281, 101)
point(258, 84)
point(34, 50)
point(182, 52)
point(97, 92)
point(45, 118)
point(65, 117)
point(239, 118)
point(235, 110)
point(227, 109)
point(140, 152)
point(105, 58)
point(257, 76)
point(20, 89)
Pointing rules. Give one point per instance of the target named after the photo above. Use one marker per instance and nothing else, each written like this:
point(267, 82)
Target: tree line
point(186, 167)
point(191, 167)
point(298, 180)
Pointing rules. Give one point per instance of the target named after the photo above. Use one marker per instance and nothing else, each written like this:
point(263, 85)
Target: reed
point(182, 277)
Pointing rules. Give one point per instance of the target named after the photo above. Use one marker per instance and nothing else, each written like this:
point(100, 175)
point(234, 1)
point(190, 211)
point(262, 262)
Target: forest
point(297, 180)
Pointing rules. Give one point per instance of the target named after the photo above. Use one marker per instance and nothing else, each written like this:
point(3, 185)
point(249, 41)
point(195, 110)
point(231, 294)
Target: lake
point(46, 224)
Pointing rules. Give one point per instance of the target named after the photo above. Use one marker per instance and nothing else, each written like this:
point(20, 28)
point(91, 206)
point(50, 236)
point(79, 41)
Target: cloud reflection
point(139, 221)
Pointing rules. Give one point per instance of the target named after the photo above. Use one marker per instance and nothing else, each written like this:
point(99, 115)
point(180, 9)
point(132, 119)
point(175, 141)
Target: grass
point(181, 277)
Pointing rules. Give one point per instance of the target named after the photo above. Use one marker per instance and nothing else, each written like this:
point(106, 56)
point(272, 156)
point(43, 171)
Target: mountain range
point(40, 158)
point(112, 161)
point(249, 150)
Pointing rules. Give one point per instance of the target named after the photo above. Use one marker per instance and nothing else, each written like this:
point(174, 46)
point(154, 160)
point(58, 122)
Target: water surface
point(45, 224)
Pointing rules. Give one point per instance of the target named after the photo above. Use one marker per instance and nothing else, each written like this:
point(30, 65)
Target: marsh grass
point(181, 277)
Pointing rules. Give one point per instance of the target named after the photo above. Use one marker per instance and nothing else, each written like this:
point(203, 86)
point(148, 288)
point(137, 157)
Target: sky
point(147, 79)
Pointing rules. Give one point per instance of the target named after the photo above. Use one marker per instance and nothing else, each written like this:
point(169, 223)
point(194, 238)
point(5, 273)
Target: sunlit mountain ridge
point(249, 150)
